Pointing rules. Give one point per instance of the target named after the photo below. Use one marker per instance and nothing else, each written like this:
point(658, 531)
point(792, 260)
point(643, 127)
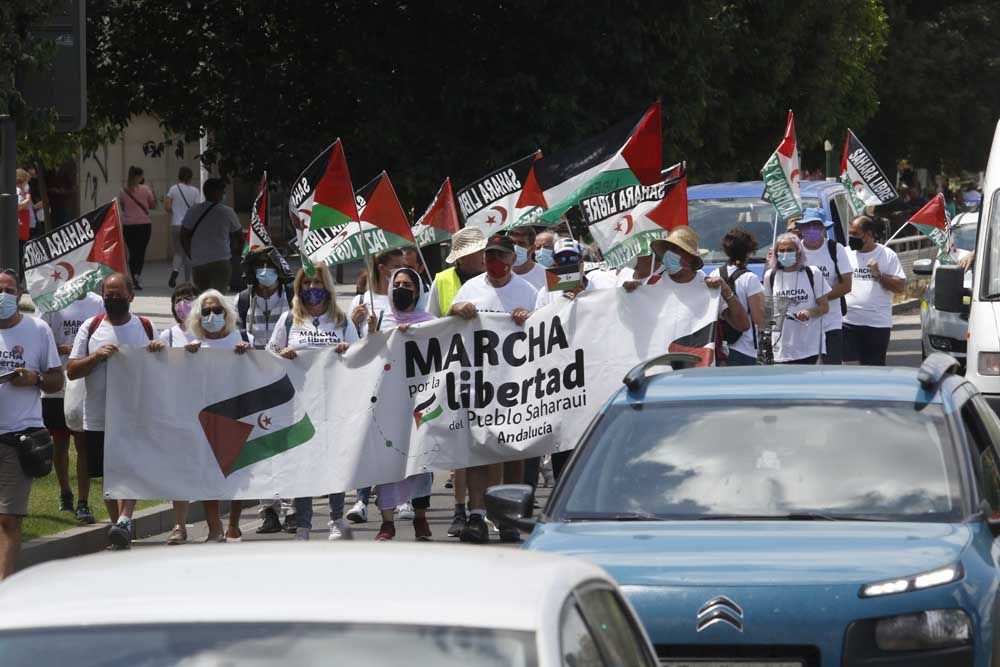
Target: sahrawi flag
point(631, 153)
point(255, 425)
point(932, 221)
point(622, 221)
point(73, 258)
point(781, 175)
point(440, 220)
point(494, 200)
point(865, 181)
point(257, 234)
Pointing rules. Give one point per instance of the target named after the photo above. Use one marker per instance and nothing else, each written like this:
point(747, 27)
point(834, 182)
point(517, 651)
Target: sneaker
point(510, 536)
point(338, 531)
point(386, 532)
point(358, 513)
point(173, 279)
point(66, 502)
point(475, 531)
point(492, 526)
point(405, 512)
point(457, 524)
point(136, 284)
point(270, 523)
point(120, 535)
point(178, 535)
point(302, 534)
point(422, 530)
point(83, 513)
point(291, 523)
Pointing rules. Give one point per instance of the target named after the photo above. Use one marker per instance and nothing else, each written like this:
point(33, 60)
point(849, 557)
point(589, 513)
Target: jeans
point(737, 358)
point(304, 509)
point(365, 494)
point(182, 263)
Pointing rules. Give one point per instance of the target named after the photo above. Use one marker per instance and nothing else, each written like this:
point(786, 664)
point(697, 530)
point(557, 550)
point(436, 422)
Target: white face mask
point(520, 255)
point(213, 323)
point(8, 306)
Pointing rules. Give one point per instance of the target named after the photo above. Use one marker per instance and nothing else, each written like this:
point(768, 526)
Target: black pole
point(10, 253)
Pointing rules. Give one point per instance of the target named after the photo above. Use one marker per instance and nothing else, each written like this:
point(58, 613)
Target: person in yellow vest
point(468, 246)
point(468, 249)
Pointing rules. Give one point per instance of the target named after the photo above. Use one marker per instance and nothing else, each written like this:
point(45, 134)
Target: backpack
point(96, 322)
point(243, 307)
point(831, 247)
point(809, 275)
point(731, 334)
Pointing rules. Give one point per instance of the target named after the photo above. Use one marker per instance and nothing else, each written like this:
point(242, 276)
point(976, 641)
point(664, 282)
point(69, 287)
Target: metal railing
point(912, 248)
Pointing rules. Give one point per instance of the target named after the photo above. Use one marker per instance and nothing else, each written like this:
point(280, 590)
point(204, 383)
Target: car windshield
point(964, 237)
point(712, 218)
point(259, 644)
point(760, 459)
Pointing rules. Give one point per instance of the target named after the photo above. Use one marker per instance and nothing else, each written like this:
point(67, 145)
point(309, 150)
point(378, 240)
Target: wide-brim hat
point(685, 239)
point(464, 242)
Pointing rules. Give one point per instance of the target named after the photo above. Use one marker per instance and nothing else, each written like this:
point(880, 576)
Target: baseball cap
point(500, 242)
point(566, 246)
point(814, 215)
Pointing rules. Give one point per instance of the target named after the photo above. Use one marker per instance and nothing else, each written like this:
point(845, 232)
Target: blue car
point(714, 209)
point(789, 516)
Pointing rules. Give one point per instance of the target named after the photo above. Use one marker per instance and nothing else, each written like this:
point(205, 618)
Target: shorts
point(54, 416)
point(805, 361)
point(834, 355)
point(95, 453)
point(867, 345)
point(15, 486)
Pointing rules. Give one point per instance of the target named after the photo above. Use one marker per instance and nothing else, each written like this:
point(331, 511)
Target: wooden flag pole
point(368, 267)
point(427, 271)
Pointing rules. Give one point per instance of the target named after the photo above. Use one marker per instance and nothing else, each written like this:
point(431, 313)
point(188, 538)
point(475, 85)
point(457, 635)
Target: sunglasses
point(9, 272)
point(567, 259)
point(217, 310)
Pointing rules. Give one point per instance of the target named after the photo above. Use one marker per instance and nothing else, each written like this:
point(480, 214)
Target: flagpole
point(427, 271)
point(368, 266)
point(904, 226)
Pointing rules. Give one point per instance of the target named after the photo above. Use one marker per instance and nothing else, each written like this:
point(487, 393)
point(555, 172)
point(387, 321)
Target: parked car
point(714, 209)
point(940, 330)
point(304, 604)
point(809, 516)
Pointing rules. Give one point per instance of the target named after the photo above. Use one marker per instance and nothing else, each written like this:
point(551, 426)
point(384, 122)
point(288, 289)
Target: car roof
point(861, 383)
point(754, 189)
point(410, 584)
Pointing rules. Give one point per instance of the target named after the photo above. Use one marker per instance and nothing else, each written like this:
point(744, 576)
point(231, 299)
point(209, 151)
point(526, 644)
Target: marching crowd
point(840, 312)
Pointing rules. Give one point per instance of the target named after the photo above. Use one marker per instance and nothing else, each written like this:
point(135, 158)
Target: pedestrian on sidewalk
point(28, 350)
point(207, 233)
point(98, 339)
point(180, 198)
point(136, 200)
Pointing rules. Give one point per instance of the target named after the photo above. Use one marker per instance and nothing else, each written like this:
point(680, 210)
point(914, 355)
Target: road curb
point(92, 539)
point(905, 306)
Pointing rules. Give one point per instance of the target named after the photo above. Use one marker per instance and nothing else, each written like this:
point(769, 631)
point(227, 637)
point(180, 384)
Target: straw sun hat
point(466, 241)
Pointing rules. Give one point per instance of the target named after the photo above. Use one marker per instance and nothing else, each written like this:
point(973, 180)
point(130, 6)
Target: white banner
point(443, 395)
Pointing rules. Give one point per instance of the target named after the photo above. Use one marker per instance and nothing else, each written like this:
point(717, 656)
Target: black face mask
point(463, 276)
point(402, 298)
point(855, 243)
point(116, 306)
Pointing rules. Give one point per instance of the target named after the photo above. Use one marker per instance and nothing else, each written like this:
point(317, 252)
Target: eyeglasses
point(217, 310)
point(10, 272)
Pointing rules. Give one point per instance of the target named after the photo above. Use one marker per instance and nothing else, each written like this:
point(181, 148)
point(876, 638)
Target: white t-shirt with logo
point(869, 304)
point(182, 197)
point(798, 340)
point(820, 258)
point(66, 323)
point(535, 277)
point(746, 286)
point(315, 333)
point(517, 293)
point(130, 333)
point(28, 344)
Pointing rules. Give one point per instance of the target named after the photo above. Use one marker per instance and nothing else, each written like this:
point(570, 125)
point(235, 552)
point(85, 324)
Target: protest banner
point(492, 201)
point(440, 220)
point(443, 395)
point(781, 175)
point(73, 258)
point(866, 183)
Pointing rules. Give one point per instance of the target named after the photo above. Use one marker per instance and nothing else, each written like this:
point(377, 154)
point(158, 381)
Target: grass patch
point(44, 517)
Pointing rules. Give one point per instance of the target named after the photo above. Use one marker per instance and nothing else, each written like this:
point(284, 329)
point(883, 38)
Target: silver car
point(943, 331)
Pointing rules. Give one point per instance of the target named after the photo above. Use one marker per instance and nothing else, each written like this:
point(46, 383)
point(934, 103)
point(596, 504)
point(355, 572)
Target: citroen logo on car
point(720, 610)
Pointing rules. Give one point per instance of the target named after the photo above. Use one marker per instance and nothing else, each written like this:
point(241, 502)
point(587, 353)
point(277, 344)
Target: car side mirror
point(923, 267)
point(949, 288)
point(991, 519)
point(511, 505)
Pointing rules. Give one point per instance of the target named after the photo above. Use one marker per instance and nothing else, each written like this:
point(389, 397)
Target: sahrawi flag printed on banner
point(440, 220)
point(494, 200)
point(932, 221)
point(73, 258)
point(257, 234)
point(625, 220)
point(781, 175)
point(866, 183)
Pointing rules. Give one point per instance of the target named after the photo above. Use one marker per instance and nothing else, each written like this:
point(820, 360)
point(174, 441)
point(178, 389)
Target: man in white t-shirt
point(96, 341)
point(877, 276)
point(29, 365)
point(524, 256)
point(65, 324)
point(497, 291)
point(831, 259)
point(180, 198)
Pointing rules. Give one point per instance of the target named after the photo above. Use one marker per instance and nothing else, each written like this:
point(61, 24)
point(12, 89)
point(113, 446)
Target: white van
point(983, 360)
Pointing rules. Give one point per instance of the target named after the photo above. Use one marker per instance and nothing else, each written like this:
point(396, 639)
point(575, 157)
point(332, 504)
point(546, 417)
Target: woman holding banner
point(315, 321)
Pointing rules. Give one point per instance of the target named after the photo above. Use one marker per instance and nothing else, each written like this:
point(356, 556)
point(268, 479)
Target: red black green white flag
point(494, 200)
point(781, 175)
point(440, 220)
point(866, 183)
point(932, 221)
point(73, 258)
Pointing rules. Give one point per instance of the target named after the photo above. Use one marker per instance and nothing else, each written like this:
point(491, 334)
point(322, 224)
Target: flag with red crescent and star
point(781, 175)
point(72, 259)
point(493, 201)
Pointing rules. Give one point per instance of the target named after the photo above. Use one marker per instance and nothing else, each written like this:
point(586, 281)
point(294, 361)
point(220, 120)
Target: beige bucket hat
point(684, 238)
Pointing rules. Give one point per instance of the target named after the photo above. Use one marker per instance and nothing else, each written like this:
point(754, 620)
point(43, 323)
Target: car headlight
point(937, 628)
point(989, 363)
point(917, 582)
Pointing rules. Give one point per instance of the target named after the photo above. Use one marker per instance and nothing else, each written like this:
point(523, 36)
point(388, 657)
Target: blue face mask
point(267, 277)
point(8, 306)
point(787, 258)
point(671, 262)
point(520, 255)
point(213, 323)
point(544, 257)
